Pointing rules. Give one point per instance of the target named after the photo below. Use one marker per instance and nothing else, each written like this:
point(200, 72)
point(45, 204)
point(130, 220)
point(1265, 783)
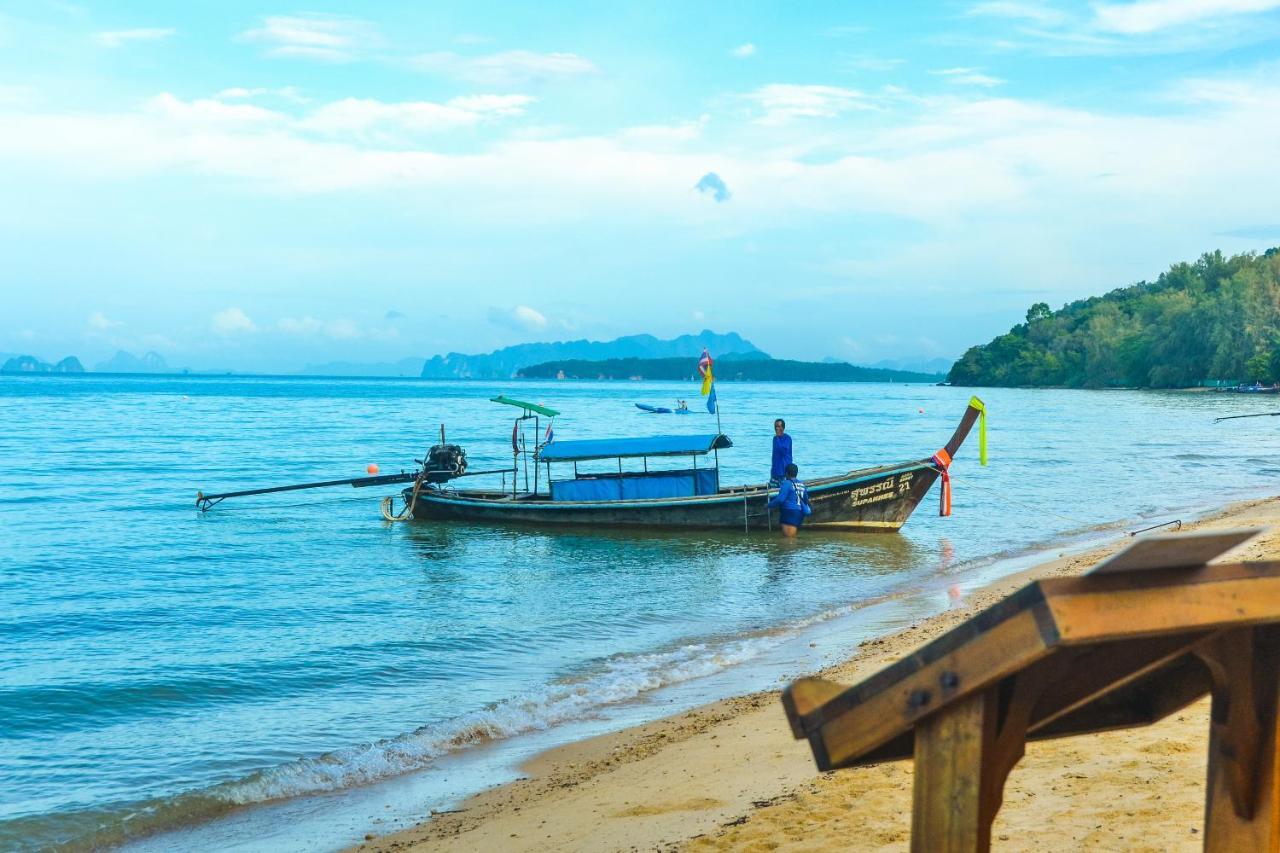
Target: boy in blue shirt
point(781, 453)
point(792, 501)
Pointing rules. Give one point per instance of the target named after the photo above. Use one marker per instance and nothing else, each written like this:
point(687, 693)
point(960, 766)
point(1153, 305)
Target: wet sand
point(729, 776)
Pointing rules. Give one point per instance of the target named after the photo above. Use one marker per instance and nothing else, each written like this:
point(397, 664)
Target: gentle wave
point(619, 679)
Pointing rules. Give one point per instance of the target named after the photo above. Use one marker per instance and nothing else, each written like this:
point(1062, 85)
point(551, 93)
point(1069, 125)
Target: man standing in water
point(781, 453)
point(792, 501)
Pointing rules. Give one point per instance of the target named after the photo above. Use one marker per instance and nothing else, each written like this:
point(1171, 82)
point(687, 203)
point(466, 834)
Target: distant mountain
point(507, 362)
point(920, 365)
point(31, 364)
point(126, 362)
point(403, 367)
point(70, 364)
point(757, 370)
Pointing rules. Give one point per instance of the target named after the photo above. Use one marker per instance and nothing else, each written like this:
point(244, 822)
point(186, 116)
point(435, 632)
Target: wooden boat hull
point(875, 499)
point(870, 499)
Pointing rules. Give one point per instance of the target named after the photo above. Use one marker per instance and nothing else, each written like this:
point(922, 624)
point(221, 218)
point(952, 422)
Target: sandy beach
point(729, 776)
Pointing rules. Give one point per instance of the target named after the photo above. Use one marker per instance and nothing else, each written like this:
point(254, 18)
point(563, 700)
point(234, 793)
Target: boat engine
point(444, 462)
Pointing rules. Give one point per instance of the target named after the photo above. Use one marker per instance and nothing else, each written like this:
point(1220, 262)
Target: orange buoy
point(373, 468)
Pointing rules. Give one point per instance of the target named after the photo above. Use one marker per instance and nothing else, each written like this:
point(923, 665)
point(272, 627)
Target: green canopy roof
point(528, 407)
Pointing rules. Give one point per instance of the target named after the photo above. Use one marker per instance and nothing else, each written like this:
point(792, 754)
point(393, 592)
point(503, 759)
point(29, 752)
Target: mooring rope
point(407, 514)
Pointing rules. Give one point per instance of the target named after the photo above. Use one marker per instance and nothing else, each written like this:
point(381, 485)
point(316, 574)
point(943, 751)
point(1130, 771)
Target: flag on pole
point(550, 435)
point(711, 400)
point(704, 368)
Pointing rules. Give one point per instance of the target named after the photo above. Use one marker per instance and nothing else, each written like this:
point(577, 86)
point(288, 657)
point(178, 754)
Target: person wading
point(792, 501)
point(781, 453)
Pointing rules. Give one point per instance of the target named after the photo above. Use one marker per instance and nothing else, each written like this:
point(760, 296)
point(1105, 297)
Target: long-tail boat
point(682, 494)
point(671, 489)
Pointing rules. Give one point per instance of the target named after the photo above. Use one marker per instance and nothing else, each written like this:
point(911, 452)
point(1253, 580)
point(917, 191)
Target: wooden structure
point(1141, 636)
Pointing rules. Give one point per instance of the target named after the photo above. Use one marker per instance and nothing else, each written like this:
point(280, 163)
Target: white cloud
point(511, 67)
point(300, 325)
point(99, 322)
point(236, 93)
point(1148, 16)
point(743, 51)
point(232, 321)
point(119, 38)
point(864, 62)
point(1036, 13)
point(783, 102)
point(521, 318)
point(968, 77)
point(360, 115)
point(330, 38)
point(209, 111)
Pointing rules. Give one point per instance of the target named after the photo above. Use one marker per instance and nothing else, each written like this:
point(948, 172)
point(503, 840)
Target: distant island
point(31, 364)
point(728, 367)
point(507, 362)
point(127, 362)
point(1212, 322)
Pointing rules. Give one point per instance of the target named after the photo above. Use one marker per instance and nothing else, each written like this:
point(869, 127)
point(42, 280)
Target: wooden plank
point(1242, 797)
point(952, 811)
point(1174, 551)
point(1106, 667)
point(1092, 616)
point(840, 731)
point(1141, 702)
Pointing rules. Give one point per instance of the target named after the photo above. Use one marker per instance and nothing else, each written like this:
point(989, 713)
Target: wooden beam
point(858, 720)
point(1099, 608)
point(1104, 668)
point(1242, 797)
point(953, 809)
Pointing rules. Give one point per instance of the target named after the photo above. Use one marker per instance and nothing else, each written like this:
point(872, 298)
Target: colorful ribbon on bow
point(942, 459)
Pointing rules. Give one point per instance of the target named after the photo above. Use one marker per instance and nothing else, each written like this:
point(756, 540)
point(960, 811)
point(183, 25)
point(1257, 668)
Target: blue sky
point(261, 186)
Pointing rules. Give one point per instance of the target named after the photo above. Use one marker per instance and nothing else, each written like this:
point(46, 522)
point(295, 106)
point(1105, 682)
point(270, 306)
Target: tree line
point(1214, 320)
point(751, 370)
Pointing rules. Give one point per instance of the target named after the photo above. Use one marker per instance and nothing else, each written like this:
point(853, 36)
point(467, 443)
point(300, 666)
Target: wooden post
point(953, 803)
point(1242, 798)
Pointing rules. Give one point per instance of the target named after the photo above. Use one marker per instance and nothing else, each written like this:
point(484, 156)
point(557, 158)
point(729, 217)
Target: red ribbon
point(943, 460)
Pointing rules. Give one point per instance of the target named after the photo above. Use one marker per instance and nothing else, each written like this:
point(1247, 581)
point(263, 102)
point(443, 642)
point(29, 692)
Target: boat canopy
point(654, 445)
point(528, 407)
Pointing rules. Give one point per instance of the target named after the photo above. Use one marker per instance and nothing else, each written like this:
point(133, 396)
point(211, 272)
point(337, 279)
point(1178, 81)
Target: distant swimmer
point(781, 453)
point(681, 406)
point(792, 502)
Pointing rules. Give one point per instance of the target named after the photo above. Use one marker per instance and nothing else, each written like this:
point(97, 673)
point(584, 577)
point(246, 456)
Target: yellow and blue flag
point(704, 368)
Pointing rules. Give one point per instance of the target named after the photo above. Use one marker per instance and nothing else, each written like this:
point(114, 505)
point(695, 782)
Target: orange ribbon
point(943, 460)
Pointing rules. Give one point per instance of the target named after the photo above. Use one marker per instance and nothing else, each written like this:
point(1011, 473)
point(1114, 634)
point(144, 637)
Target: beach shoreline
point(728, 775)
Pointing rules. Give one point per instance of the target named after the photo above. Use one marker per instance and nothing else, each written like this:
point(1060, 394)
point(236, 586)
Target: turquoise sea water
point(160, 668)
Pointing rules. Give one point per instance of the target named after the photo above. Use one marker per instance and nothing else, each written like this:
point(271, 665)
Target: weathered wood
point(1068, 656)
point(1242, 798)
point(805, 696)
point(840, 733)
point(1124, 606)
point(952, 810)
point(1104, 668)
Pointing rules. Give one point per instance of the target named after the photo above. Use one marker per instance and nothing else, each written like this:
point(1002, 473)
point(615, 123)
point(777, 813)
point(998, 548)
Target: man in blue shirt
point(781, 453)
point(792, 501)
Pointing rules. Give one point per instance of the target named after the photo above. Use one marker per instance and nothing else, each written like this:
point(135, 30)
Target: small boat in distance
point(670, 490)
point(662, 410)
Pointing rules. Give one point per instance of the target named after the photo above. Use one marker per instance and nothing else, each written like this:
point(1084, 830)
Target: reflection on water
point(161, 662)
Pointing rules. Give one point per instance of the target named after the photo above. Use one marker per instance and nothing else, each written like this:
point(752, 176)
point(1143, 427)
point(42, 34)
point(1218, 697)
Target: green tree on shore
point(1215, 319)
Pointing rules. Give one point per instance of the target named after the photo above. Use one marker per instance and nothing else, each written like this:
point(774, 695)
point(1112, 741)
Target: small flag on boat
point(704, 369)
point(711, 399)
point(550, 435)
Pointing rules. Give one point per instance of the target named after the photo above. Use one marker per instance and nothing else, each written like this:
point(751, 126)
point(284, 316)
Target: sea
point(292, 672)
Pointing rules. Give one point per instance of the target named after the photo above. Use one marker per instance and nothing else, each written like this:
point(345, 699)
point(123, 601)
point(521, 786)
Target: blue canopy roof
point(654, 445)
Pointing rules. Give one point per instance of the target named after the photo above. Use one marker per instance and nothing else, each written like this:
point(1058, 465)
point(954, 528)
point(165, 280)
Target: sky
point(258, 186)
